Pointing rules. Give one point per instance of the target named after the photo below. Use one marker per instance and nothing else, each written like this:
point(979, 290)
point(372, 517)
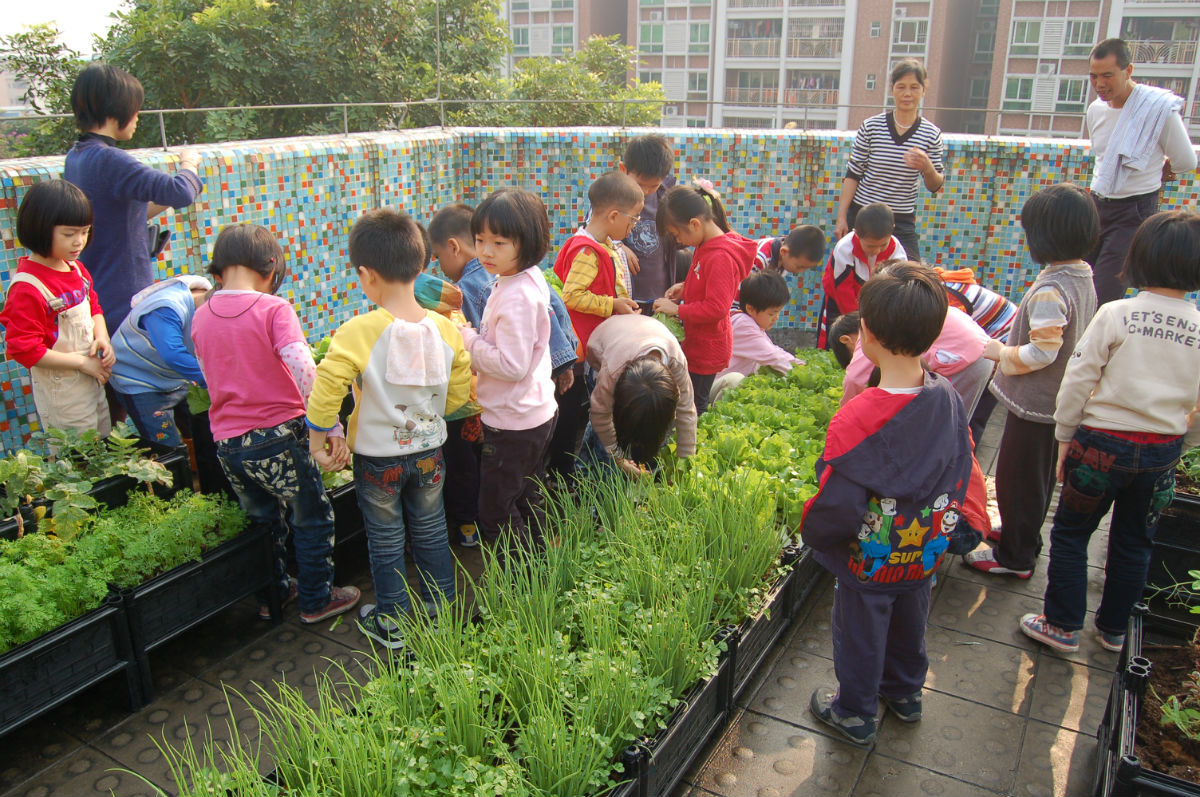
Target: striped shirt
point(877, 161)
point(989, 309)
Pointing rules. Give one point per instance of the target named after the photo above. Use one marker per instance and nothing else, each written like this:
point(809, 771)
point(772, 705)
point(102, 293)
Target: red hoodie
point(718, 267)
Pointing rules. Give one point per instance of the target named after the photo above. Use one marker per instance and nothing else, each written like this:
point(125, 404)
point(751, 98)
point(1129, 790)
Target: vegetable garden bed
point(1176, 552)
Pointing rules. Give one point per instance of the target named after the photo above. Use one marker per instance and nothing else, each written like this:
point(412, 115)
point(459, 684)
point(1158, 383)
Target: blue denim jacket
point(476, 286)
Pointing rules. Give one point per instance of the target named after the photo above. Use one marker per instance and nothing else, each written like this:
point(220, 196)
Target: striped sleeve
point(860, 153)
point(576, 292)
point(1048, 317)
point(884, 175)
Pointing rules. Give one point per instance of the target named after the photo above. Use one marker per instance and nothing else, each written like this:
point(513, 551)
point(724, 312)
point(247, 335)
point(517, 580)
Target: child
point(694, 216)
point(1125, 399)
point(650, 161)
point(800, 250)
point(761, 298)
point(411, 370)
point(642, 385)
point(843, 338)
point(259, 371)
point(892, 479)
point(53, 322)
point(853, 260)
point(1061, 227)
point(510, 353)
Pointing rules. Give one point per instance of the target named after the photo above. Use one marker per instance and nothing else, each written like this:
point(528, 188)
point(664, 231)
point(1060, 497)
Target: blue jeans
point(278, 485)
point(395, 493)
point(154, 415)
point(1102, 470)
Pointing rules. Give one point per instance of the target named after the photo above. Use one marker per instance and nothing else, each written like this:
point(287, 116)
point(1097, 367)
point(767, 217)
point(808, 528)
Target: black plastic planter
point(1119, 772)
point(47, 671)
point(1176, 551)
point(347, 517)
point(756, 636)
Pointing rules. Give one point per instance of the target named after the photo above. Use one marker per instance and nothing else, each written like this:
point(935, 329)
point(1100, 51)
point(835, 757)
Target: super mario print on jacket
point(892, 480)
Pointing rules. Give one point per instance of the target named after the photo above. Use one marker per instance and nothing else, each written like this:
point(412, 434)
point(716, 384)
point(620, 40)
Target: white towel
point(416, 354)
point(1135, 137)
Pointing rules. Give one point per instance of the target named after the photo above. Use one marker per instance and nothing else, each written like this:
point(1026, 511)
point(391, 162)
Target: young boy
point(411, 370)
point(761, 298)
point(892, 481)
point(798, 251)
point(853, 261)
point(650, 161)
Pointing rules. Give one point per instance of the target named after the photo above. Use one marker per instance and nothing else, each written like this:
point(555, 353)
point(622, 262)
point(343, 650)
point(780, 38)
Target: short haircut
point(875, 221)
point(1060, 224)
point(452, 221)
point(426, 243)
point(649, 156)
point(388, 242)
point(520, 216)
point(1116, 47)
point(846, 324)
point(614, 190)
point(904, 307)
point(1165, 252)
point(686, 202)
point(252, 246)
point(644, 400)
point(908, 66)
point(763, 290)
point(807, 241)
point(103, 92)
point(46, 205)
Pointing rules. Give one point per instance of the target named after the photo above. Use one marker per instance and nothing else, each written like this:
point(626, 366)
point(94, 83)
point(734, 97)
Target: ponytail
point(686, 202)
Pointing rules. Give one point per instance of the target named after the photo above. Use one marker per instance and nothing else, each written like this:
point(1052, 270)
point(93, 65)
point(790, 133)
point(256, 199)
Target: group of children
point(462, 391)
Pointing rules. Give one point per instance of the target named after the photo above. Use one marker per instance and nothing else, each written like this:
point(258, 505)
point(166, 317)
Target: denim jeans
point(154, 415)
point(278, 485)
point(399, 494)
point(1102, 470)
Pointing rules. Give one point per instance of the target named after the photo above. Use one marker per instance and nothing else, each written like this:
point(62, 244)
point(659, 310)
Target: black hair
point(649, 156)
point(875, 221)
point(684, 203)
point(614, 190)
point(644, 400)
point(518, 215)
point(683, 264)
point(908, 66)
point(252, 246)
point(103, 92)
point(763, 290)
point(46, 205)
point(904, 307)
point(845, 324)
point(426, 243)
point(452, 221)
point(807, 241)
point(1116, 47)
point(1165, 252)
point(1060, 224)
point(390, 243)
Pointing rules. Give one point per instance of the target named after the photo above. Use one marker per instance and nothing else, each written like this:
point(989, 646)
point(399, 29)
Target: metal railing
point(752, 48)
point(814, 48)
point(762, 97)
point(756, 3)
point(810, 96)
point(1150, 51)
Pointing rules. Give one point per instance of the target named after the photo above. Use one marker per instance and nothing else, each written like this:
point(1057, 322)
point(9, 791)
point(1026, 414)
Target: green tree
point(48, 67)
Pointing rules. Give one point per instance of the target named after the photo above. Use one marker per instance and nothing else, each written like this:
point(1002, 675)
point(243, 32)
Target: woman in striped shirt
point(892, 151)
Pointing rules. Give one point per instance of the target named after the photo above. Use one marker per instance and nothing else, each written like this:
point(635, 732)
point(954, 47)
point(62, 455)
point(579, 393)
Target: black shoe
point(907, 709)
point(859, 730)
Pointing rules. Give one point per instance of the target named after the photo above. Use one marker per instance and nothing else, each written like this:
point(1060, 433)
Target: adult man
point(1139, 141)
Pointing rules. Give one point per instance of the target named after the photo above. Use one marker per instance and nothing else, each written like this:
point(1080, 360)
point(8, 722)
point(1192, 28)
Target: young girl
point(510, 353)
point(260, 371)
point(694, 216)
point(1124, 402)
point(1061, 227)
point(53, 322)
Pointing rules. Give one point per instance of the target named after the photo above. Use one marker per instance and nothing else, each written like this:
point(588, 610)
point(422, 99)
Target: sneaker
point(468, 535)
point(993, 535)
point(264, 610)
point(859, 730)
point(380, 628)
point(984, 560)
point(1036, 627)
point(1114, 643)
point(907, 709)
point(340, 599)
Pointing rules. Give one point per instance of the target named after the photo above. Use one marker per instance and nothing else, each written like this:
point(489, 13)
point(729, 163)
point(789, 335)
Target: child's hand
point(631, 468)
point(1060, 468)
point(339, 452)
point(631, 260)
point(666, 307)
point(564, 380)
point(94, 367)
point(102, 348)
point(991, 350)
point(675, 292)
point(623, 306)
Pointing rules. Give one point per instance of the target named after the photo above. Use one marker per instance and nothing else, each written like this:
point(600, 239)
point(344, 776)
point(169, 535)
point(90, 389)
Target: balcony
point(810, 97)
point(752, 48)
point(822, 3)
point(763, 96)
point(814, 48)
point(1149, 51)
point(756, 3)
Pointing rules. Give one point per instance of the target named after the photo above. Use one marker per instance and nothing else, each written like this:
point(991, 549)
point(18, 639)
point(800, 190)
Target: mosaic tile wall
point(309, 191)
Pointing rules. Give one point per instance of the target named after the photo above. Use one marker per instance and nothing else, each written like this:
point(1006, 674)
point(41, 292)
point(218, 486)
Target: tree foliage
point(38, 58)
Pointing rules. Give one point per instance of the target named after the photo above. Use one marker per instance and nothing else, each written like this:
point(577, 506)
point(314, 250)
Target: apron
point(66, 398)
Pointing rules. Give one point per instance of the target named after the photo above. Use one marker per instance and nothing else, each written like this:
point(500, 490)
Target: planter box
point(347, 517)
point(167, 605)
point(1176, 551)
point(46, 671)
point(755, 637)
point(1118, 771)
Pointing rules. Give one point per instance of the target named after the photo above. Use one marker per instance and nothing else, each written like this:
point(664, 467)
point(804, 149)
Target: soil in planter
point(1186, 484)
point(1164, 748)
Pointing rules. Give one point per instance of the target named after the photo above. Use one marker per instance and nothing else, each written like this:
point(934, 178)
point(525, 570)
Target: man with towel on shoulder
point(1139, 142)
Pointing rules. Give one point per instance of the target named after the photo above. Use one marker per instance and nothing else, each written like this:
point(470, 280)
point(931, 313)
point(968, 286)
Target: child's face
point(764, 318)
point(794, 264)
point(850, 341)
point(497, 254)
point(648, 184)
point(690, 234)
point(67, 242)
point(873, 246)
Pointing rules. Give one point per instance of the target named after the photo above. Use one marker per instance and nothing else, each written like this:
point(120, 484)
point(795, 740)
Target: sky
point(77, 19)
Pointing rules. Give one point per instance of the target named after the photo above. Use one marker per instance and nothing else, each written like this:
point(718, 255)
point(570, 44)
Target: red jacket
point(718, 268)
point(605, 283)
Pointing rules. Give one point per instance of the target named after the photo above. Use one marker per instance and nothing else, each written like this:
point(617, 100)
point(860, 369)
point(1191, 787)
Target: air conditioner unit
point(899, 13)
point(670, 110)
point(656, 16)
point(1047, 69)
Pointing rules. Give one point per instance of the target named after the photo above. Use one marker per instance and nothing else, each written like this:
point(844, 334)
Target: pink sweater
point(752, 348)
point(511, 353)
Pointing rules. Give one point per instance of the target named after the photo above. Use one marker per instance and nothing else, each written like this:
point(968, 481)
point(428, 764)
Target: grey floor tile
point(1070, 694)
point(815, 634)
point(998, 675)
point(1035, 585)
point(766, 671)
point(964, 740)
point(887, 777)
point(984, 611)
point(1055, 761)
point(32, 748)
point(785, 694)
point(760, 755)
point(86, 771)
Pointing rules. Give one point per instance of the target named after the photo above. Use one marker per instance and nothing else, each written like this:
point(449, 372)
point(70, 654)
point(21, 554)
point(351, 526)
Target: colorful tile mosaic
point(309, 191)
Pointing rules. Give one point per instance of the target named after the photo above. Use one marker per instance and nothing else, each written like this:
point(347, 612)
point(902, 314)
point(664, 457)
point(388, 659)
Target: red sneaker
point(340, 599)
point(984, 560)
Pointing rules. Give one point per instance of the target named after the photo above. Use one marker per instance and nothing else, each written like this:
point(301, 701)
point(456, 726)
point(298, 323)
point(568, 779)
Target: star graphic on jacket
point(911, 537)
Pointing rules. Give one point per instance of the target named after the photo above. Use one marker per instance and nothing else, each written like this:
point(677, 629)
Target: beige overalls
point(66, 398)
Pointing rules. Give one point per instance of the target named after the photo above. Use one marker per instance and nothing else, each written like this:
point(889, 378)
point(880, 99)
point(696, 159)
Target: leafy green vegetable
point(553, 281)
point(336, 478)
point(672, 323)
point(321, 349)
point(198, 400)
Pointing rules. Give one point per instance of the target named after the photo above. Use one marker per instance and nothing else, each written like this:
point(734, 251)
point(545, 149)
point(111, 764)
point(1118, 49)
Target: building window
point(693, 122)
point(650, 38)
point(697, 86)
point(985, 42)
point(977, 96)
point(876, 28)
point(698, 37)
point(520, 5)
point(1018, 93)
point(1081, 37)
point(909, 36)
point(520, 41)
point(567, 4)
point(1026, 37)
point(650, 77)
point(650, 2)
point(870, 81)
point(1072, 95)
point(564, 39)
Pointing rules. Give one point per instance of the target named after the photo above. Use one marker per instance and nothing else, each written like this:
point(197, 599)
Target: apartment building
point(556, 27)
